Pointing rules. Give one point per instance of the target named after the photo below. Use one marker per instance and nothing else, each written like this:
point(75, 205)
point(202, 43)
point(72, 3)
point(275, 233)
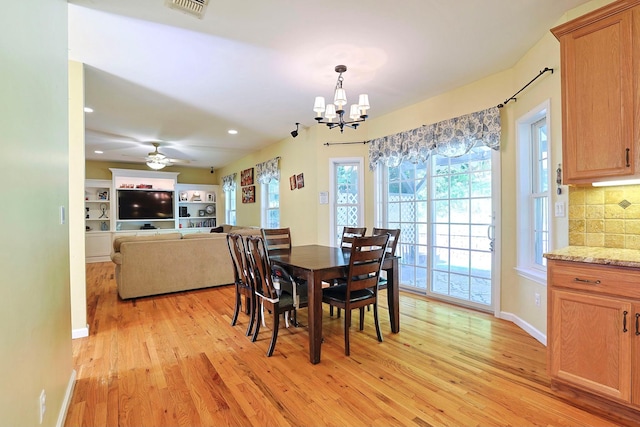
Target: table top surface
point(312, 257)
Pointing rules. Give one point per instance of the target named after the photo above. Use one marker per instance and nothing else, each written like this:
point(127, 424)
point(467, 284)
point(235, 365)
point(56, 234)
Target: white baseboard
point(80, 333)
point(64, 409)
point(539, 336)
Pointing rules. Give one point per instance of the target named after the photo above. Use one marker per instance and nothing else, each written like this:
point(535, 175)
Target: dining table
point(317, 264)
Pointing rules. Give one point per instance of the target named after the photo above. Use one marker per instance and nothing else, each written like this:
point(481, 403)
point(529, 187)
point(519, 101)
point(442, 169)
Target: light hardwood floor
point(174, 360)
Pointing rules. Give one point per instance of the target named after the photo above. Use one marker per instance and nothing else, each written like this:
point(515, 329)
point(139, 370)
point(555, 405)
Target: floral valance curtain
point(229, 182)
point(450, 138)
point(268, 170)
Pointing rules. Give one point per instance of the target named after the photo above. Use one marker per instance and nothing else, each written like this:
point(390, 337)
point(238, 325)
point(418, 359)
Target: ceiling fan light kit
point(157, 160)
point(357, 112)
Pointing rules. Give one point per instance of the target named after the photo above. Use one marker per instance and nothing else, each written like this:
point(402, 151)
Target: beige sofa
point(158, 264)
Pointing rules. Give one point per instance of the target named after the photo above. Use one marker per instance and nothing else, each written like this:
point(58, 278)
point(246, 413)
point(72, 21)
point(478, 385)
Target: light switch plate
point(559, 209)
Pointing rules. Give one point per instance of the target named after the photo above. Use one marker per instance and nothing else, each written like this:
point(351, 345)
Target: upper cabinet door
point(599, 55)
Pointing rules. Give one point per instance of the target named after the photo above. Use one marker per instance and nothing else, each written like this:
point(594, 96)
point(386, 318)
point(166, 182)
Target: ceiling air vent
point(192, 7)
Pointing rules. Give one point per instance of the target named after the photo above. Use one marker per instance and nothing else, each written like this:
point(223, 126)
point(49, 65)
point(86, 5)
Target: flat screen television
point(145, 204)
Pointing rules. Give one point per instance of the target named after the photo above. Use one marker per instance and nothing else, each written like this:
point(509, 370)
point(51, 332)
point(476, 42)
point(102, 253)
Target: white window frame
point(527, 267)
point(265, 204)
point(333, 163)
point(230, 205)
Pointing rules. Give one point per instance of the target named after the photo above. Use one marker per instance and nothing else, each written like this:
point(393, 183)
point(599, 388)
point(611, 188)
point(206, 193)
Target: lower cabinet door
point(591, 342)
point(97, 246)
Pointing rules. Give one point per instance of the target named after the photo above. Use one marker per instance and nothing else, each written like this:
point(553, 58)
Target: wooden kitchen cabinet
point(593, 337)
point(600, 57)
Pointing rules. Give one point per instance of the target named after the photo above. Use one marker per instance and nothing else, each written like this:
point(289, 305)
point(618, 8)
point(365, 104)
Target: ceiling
point(156, 74)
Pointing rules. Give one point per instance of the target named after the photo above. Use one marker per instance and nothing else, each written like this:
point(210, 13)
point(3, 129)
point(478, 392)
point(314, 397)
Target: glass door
point(444, 208)
point(347, 211)
point(462, 234)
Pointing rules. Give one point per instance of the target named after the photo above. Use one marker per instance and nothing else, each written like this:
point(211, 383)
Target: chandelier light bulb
point(363, 102)
point(318, 106)
point(330, 112)
point(354, 113)
point(340, 98)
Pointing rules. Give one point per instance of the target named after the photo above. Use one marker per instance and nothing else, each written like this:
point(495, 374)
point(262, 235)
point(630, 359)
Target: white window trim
point(525, 267)
point(332, 185)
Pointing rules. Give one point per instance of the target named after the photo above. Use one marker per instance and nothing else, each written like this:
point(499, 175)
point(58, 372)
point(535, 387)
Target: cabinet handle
point(628, 165)
point(637, 324)
point(591, 282)
point(624, 321)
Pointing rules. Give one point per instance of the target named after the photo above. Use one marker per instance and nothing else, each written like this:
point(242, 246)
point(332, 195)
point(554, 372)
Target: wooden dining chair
point(346, 240)
point(242, 280)
point(276, 300)
point(277, 239)
point(350, 233)
point(361, 286)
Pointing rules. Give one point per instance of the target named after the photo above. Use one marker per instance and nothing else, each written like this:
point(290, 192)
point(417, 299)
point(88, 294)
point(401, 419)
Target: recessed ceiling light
point(88, 110)
point(98, 152)
point(232, 131)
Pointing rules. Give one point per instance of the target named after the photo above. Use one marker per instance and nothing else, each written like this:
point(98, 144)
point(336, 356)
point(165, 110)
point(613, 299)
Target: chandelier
point(357, 112)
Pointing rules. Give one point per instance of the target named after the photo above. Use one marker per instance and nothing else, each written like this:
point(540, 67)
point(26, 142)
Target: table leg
point(315, 317)
point(393, 295)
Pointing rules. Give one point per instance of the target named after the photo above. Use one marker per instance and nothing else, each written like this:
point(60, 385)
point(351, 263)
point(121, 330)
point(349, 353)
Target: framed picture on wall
point(300, 180)
point(249, 194)
point(246, 177)
point(292, 182)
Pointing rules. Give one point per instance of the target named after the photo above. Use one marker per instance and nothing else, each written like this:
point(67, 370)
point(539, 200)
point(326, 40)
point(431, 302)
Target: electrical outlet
point(43, 404)
point(537, 296)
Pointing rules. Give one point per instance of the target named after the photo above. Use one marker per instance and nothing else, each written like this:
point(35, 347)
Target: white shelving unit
point(140, 180)
point(101, 209)
point(97, 205)
point(197, 206)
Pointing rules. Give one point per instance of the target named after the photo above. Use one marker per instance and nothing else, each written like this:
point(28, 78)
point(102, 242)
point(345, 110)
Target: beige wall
point(309, 220)
point(100, 170)
point(35, 337)
point(78, 282)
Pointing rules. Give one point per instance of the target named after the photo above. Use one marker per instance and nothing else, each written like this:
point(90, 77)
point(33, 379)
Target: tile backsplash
point(605, 216)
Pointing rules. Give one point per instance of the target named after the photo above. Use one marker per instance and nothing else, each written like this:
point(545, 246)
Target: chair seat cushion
point(339, 293)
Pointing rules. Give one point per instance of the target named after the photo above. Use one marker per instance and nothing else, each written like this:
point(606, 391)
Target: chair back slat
point(394, 237)
point(277, 239)
point(349, 234)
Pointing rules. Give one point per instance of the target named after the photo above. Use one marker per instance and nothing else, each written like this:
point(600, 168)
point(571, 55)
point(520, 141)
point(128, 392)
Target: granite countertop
point(597, 255)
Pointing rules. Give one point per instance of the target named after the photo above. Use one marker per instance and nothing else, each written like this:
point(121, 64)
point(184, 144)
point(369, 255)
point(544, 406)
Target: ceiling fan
point(156, 160)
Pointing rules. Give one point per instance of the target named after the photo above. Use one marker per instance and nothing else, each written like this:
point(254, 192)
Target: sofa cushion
point(165, 236)
point(217, 230)
point(190, 236)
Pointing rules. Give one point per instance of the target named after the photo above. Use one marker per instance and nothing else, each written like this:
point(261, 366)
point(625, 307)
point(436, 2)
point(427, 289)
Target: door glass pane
point(347, 200)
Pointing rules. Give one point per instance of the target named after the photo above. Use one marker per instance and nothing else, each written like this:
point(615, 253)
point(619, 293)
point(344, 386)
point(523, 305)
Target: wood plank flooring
point(174, 360)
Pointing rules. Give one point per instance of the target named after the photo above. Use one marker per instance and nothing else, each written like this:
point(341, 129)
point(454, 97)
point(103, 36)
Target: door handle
point(637, 324)
point(624, 321)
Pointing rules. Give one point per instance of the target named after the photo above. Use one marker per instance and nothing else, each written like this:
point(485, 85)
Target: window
point(533, 193)
point(271, 204)
point(230, 206)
